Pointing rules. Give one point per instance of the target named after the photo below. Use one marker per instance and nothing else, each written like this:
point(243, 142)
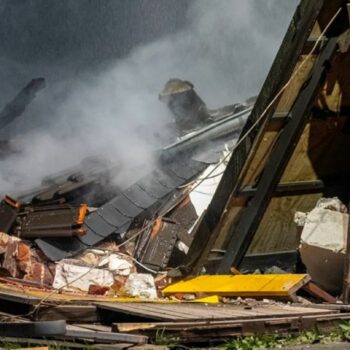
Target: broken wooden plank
point(213, 330)
point(185, 312)
point(241, 285)
point(94, 327)
point(17, 106)
point(319, 293)
point(70, 313)
point(73, 332)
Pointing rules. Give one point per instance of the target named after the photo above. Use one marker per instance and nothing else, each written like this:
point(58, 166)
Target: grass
point(340, 334)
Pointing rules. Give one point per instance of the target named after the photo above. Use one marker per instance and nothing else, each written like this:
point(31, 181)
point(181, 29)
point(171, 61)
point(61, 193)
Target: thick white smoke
point(225, 49)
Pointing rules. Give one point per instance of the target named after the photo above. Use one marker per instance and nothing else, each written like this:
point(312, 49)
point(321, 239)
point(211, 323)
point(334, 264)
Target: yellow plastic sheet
point(241, 285)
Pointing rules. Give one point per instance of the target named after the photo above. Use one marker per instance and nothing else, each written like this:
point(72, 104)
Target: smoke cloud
point(105, 63)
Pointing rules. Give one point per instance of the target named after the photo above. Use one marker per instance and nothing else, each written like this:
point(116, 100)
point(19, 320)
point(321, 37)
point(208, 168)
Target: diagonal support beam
point(17, 106)
point(243, 233)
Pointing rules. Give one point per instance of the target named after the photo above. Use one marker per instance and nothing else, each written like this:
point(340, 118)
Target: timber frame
point(295, 155)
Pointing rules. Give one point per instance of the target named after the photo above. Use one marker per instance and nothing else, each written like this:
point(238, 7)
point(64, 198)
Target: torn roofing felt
point(116, 216)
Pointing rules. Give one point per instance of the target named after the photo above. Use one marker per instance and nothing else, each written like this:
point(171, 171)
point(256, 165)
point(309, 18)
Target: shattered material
point(141, 285)
point(71, 276)
point(19, 260)
point(323, 243)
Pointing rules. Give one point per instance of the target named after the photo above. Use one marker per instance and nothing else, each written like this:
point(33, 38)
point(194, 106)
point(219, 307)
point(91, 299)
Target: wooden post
point(346, 284)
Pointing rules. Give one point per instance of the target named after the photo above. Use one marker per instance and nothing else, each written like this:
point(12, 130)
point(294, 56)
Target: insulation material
point(202, 195)
point(117, 263)
point(141, 285)
point(323, 243)
point(71, 276)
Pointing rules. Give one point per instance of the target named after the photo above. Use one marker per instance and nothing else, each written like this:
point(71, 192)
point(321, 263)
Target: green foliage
point(163, 339)
point(252, 342)
point(342, 333)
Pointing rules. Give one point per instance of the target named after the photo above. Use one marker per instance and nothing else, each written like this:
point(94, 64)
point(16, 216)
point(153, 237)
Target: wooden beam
point(209, 331)
point(70, 313)
point(289, 188)
point(346, 282)
point(243, 233)
point(253, 286)
point(319, 293)
point(283, 65)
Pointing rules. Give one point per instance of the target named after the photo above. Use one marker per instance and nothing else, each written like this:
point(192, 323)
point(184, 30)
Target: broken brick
point(97, 290)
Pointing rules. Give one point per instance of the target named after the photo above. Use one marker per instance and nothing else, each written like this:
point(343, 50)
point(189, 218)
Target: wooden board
point(277, 230)
point(187, 332)
point(284, 63)
point(322, 151)
point(70, 313)
point(194, 312)
point(241, 285)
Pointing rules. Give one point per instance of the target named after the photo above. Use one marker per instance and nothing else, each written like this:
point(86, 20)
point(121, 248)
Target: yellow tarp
point(241, 285)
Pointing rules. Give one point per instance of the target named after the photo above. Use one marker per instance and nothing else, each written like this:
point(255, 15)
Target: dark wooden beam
point(282, 67)
point(242, 235)
point(287, 189)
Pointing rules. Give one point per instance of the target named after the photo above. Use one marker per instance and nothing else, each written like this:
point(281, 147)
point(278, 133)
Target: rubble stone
point(141, 285)
point(323, 242)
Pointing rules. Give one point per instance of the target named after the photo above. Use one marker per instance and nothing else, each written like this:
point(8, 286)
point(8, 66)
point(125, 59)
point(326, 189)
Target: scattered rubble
point(203, 247)
point(323, 253)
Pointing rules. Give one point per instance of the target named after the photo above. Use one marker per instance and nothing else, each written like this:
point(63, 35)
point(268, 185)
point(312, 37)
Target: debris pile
point(222, 238)
point(323, 253)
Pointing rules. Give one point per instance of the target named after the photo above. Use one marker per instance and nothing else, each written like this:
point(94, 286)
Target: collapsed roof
point(115, 209)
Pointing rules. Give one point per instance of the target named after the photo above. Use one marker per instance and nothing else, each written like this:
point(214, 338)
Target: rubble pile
point(219, 239)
